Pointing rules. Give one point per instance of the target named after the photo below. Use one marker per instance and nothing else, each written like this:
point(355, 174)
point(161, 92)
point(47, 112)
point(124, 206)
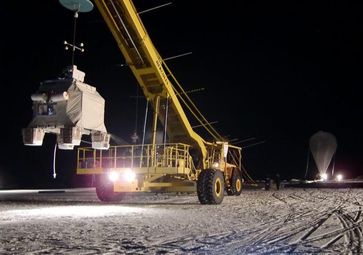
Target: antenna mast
point(76, 6)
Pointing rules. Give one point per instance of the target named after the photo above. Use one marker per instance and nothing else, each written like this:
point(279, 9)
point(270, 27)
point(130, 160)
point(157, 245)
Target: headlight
point(129, 175)
point(324, 177)
point(215, 165)
point(113, 176)
point(339, 177)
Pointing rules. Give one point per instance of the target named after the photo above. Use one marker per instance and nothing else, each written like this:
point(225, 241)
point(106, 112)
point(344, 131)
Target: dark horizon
point(278, 73)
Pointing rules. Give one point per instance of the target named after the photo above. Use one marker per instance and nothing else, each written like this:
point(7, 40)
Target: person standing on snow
point(267, 182)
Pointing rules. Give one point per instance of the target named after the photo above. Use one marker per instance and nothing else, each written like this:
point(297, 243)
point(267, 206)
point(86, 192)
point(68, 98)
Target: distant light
point(113, 176)
point(339, 177)
point(129, 175)
point(324, 177)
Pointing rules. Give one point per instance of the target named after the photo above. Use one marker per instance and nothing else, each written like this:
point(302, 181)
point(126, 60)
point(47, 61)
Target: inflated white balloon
point(323, 146)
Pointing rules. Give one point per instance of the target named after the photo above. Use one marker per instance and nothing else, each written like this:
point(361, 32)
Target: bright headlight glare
point(113, 176)
point(339, 177)
point(129, 175)
point(324, 177)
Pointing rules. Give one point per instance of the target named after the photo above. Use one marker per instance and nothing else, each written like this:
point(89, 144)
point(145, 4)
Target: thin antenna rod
point(154, 8)
point(74, 35)
point(190, 91)
point(245, 140)
point(165, 59)
point(178, 56)
point(253, 144)
point(202, 125)
point(76, 6)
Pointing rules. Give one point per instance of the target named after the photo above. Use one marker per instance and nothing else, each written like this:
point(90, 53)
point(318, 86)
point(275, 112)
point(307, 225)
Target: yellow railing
point(136, 156)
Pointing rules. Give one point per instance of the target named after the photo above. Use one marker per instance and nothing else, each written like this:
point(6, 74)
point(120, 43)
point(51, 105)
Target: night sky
point(275, 72)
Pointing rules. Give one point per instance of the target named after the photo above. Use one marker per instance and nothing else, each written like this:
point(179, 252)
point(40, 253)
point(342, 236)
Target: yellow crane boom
point(148, 67)
point(172, 168)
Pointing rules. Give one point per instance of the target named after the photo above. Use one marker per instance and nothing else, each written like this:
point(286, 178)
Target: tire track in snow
point(351, 229)
point(308, 228)
point(281, 241)
point(194, 243)
point(271, 237)
point(353, 235)
point(260, 238)
point(333, 236)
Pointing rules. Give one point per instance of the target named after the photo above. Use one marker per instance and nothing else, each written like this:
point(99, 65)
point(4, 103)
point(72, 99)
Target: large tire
point(210, 186)
point(201, 187)
point(104, 190)
point(236, 183)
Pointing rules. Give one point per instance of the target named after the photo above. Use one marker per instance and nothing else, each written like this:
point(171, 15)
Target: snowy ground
point(257, 222)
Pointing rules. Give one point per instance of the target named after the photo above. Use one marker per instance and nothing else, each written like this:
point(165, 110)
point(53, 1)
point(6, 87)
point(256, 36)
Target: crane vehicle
point(183, 161)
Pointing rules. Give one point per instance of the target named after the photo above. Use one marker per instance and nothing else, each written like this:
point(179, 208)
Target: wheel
point(236, 183)
point(104, 190)
point(210, 187)
point(201, 187)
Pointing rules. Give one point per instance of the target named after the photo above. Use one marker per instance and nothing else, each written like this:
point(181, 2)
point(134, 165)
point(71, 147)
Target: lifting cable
point(216, 137)
point(242, 167)
point(136, 108)
point(246, 173)
point(204, 122)
point(144, 131)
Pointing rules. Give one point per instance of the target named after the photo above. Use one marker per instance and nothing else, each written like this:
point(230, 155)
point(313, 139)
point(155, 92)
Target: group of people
point(269, 181)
